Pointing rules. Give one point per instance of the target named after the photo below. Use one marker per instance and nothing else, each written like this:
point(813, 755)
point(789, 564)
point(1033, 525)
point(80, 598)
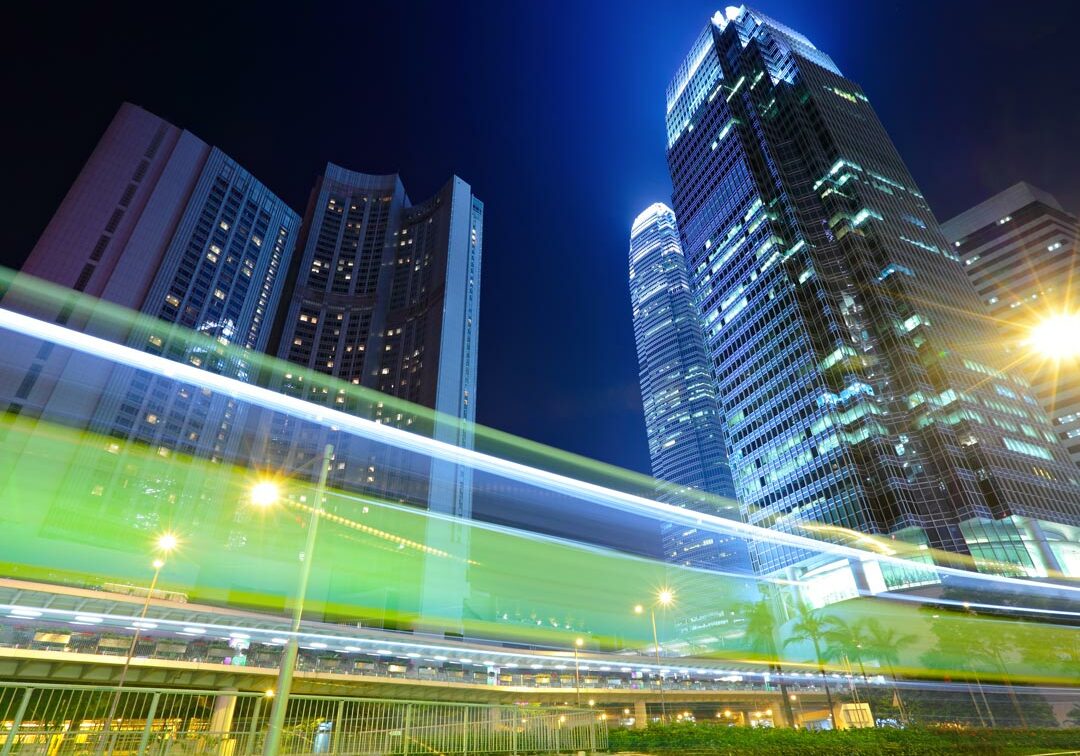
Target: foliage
point(672, 739)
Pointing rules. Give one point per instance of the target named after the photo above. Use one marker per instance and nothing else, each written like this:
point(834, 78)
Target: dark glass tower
point(682, 418)
point(857, 379)
point(386, 295)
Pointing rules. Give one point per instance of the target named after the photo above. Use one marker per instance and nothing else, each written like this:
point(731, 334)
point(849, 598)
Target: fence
point(59, 720)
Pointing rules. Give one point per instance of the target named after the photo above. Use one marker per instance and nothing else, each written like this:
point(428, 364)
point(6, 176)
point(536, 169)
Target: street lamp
point(165, 543)
point(664, 598)
point(1057, 336)
point(266, 494)
point(578, 643)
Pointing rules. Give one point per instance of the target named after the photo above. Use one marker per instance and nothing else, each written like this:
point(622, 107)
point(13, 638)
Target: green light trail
point(81, 511)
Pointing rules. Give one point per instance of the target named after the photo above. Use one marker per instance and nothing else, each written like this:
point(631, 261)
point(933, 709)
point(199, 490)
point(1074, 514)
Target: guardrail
point(53, 720)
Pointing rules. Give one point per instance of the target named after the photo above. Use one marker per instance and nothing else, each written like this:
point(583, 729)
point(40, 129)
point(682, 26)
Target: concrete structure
point(682, 416)
point(858, 381)
point(1021, 252)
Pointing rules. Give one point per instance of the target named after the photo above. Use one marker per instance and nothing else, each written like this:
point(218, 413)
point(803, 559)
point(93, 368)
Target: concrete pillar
point(862, 585)
point(1033, 530)
point(779, 714)
point(641, 715)
point(222, 718)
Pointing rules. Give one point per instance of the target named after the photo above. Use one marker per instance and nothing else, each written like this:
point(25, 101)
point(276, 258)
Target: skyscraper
point(857, 378)
point(386, 296)
point(1021, 252)
point(682, 418)
point(161, 223)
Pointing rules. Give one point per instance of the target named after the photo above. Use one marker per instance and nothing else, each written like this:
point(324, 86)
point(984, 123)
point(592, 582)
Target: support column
point(222, 717)
point(641, 715)
point(1033, 530)
point(221, 721)
point(779, 714)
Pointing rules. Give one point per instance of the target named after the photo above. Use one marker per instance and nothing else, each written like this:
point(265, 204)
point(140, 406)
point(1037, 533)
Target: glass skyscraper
point(682, 418)
point(859, 384)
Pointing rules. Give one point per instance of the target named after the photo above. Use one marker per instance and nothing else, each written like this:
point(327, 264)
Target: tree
point(845, 640)
point(882, 644)
point(809, 627)
point(760, 633)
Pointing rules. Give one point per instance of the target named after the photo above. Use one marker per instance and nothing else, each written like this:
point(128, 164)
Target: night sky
point(554, 114)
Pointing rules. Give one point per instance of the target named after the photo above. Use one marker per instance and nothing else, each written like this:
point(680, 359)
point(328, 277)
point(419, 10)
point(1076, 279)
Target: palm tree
point(845, 640)
point(760, 633)
point(964, 653)
point(882, 643)
point(809, 627)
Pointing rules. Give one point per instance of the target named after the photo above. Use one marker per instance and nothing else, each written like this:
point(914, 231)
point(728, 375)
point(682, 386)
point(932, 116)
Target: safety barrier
point(53, 720)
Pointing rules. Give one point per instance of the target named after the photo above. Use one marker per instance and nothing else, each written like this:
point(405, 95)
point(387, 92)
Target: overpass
point(63, 635)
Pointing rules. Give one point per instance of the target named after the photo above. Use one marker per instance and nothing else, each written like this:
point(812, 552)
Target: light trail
point(405, 440)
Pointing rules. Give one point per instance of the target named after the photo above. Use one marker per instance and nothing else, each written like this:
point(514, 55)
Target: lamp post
point(265, 495)
point(164, 545)
point(578, 643)
point(664, 598)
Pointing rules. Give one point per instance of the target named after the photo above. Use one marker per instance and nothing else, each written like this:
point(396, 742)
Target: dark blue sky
point(553, 112)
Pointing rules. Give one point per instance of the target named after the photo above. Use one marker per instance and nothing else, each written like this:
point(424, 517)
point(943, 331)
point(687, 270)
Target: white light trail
point(403, 439)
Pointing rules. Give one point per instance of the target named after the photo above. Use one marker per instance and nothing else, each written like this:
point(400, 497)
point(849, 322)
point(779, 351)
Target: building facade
point(181, 253)
point(163, 224)
point(678, 393)
point(385, 295)
point(857, 378)
point(1021, 252)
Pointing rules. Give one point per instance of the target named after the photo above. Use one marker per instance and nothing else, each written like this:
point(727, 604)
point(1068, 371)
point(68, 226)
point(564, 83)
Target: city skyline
point(604, 421)
point(757, 446)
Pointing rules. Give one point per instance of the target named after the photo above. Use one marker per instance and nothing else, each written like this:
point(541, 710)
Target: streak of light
point(408, 441)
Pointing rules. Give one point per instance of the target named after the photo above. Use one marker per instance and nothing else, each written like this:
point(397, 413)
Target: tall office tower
point(1021, 252)
point(161, 223)
point(855, 369)
point(682, 417)
point(387, 296)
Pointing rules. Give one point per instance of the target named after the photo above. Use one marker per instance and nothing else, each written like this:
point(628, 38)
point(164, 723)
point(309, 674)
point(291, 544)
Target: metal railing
point(47, 638)
point(57, 720)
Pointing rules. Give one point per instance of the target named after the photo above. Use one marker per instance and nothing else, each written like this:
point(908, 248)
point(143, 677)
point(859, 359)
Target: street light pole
point(165, 544)
point(578, 643)
point(656, 648)
point(292, 647)
point(664, 598)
